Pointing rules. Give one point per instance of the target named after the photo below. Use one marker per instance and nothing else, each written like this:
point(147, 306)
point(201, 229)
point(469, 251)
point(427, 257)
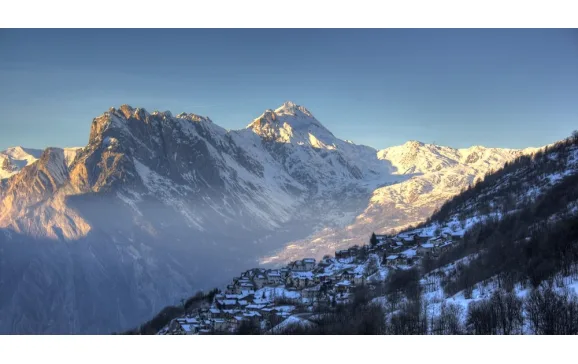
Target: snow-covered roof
point(286, 308)
point(188, 320)
point(215, 310)
point(309, 260)
point(427, 245)
point(391, 257)
point(255, 307)
point(188, 328)
point(302, 275)
point(344, 283)
point(409, 253)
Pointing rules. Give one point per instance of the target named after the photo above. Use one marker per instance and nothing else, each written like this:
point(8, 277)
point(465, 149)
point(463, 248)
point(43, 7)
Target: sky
point(511, 88)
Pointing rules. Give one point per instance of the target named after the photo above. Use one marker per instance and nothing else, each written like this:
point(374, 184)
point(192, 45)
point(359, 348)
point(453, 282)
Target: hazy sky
point(504, 88)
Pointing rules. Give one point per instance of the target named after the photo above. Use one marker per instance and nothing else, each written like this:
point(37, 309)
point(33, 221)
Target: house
point(274, 277)
point(268, 312)
point(381, 238)
point(311, 293)
point(284, 272)
point(255, 307)
point(343, 286)
point(214, 313)
point(436, 241)
point(246, 287)
point(185, 326)
point(260, 280)
point(408, 239)
point(393, 260)
point(443, 247)
point(227, 304)
point(300, 279)
point(308, 263)
point(326, 262)
point(220, 325)
point(188, 329)
point(425, 249)
point(253, 316)
point(324, 277)
point(353, 251)
point(296, 266)
point(346, 275)
point(409, 253)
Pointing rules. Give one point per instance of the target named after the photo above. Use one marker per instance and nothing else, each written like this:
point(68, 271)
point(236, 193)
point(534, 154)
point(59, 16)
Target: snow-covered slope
point(12, 160)
point(433, 174)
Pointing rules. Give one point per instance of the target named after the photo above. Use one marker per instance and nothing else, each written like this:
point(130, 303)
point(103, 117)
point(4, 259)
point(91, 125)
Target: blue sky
point(503, 88)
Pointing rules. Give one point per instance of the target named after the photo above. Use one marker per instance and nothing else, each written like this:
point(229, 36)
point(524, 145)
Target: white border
point(291, 14)
point(287, 349)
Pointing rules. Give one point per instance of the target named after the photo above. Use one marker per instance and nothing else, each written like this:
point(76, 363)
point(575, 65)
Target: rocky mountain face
point(97, 239)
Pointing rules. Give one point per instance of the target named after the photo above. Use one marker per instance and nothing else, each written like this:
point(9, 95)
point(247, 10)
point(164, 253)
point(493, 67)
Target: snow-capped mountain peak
point(292, 123)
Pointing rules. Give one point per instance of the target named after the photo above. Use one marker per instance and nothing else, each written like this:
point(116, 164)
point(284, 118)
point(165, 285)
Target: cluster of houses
point(266, 297)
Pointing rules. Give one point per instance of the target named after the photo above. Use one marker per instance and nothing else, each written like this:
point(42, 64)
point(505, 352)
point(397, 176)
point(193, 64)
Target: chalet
point(408, 239)
point(255, 307)
point(308, 263)
point(233, 289)
point(325, 277)
point(274, 277)
point(227, 304)
point(436, 241)
point(246, 287)
point(253, 316)
point(343, 286)
point(268, 312)
point(284, 272)
point(300, 279)
point(296, 266)
point(346, 275)
point(311, 293)
point(444, 247)
point(260, 280)
point(422, 237)
point(214, 313)
point(187, 329)
point(220, 325)
point(425, 249)
point(409, 253)
point(260, 301)
point(185, 326)
point(392, 260)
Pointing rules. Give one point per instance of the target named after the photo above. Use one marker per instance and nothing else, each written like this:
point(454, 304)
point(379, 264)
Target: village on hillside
point(272, 298)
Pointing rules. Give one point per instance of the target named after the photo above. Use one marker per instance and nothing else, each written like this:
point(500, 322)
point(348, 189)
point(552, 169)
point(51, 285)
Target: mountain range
point(97, 239)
